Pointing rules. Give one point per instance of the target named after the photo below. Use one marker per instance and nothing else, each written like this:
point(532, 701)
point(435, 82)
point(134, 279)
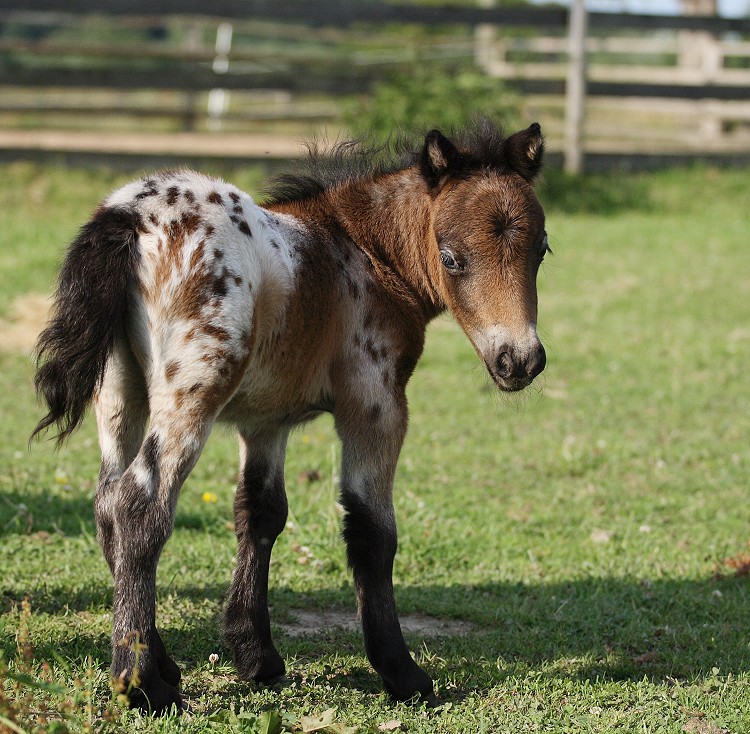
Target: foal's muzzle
point(513, 371)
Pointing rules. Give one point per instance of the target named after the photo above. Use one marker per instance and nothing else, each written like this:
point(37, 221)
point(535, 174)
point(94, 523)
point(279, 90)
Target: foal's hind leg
point(121, 408)
point(260, 511)
point(143, 507)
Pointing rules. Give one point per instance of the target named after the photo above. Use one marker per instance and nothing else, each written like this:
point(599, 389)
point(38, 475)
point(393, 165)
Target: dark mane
point(330, 165)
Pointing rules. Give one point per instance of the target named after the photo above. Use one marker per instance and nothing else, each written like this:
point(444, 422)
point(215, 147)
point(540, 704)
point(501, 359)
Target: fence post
point(192, 42)
point(575, 88)
point(218, 99)
point(700, 57)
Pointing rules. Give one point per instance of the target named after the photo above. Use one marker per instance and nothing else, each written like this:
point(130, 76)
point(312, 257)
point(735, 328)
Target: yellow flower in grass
point(209, 497)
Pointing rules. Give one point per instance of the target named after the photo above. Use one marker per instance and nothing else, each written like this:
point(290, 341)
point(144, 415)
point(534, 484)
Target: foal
point(182, 302)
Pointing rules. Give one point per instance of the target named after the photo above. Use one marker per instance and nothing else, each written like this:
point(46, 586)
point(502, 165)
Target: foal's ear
point(524, 151)
point(438, 158)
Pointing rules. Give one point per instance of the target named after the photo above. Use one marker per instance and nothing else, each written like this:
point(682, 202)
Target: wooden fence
point(657, 88)
point(683, 90)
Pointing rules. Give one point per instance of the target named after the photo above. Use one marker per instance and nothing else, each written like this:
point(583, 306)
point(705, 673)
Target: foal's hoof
point(168, 668)
point(415, 682)
point(266, 667)
point(170, 672)
point(155, 697)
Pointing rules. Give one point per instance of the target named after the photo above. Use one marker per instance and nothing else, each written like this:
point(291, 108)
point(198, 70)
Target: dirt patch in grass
point(314, 622)
point(26, 318)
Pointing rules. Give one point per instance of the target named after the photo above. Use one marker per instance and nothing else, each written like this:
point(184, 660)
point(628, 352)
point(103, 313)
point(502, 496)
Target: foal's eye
point(545, 248)
point(450, 262)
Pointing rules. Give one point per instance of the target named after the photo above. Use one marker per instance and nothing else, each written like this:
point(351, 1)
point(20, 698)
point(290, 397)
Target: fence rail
point(348, 12)
point(654, 84)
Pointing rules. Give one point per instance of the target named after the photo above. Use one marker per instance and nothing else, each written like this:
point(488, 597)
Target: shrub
point(424, 98)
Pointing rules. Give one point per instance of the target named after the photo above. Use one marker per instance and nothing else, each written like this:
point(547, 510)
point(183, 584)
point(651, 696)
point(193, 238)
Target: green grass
point(582, 528)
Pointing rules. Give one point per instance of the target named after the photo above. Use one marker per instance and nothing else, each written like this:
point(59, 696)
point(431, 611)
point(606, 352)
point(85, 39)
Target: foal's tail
point(88, 315)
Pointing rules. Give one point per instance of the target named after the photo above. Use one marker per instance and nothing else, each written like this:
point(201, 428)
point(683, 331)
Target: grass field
point(592, 533)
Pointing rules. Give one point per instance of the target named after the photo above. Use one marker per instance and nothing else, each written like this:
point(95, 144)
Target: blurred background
point(128, 83)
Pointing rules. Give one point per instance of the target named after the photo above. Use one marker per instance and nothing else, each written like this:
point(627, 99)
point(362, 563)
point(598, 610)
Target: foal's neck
point(390, 219)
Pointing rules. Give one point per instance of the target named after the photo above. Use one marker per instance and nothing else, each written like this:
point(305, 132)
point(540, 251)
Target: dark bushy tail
point(88, 315)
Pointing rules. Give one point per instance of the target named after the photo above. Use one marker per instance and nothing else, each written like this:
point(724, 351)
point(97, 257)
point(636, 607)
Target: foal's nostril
point(519, 371)
point(504, 365)
point(537, 362)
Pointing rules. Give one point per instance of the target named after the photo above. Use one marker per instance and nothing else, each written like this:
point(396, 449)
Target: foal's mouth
point(515, 384)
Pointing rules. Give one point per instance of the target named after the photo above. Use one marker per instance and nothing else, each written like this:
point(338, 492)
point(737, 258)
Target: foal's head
point(489, 237)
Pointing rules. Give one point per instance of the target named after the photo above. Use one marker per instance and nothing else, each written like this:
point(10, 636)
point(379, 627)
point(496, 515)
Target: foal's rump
point(173, 265)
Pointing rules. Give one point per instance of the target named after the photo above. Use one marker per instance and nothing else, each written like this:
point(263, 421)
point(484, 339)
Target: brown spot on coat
point(222, 279)
point(203, 287)
point(173, 192)
point(220, 283)
point(149, 189)
point(234, 196)
point(216, 332)
point(196, 257)
point(171, 370)
point(214, 198)
point(190, 222)
point(182, 393)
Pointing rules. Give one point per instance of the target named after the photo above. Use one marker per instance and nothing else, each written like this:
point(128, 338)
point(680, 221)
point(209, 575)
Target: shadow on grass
point(73, 514)
point(612, 629)
point(27, 513)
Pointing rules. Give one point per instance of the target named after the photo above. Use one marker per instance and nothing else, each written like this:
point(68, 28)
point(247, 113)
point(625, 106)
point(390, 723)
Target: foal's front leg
point(260, 512)
point(371, 445)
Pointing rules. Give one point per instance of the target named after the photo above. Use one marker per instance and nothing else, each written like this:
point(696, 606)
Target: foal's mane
point(329, 165)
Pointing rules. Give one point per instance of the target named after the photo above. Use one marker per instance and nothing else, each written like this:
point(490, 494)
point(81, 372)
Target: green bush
point(426, 98)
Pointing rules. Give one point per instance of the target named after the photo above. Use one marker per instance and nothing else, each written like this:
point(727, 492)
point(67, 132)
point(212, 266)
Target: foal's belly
point(279, 397)
point(253, 417)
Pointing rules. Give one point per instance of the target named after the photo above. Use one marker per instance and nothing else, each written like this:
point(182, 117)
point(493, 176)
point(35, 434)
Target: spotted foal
point(182, 302)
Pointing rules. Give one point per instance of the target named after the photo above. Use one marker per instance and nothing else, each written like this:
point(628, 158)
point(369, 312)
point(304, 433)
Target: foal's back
point(235, 307)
